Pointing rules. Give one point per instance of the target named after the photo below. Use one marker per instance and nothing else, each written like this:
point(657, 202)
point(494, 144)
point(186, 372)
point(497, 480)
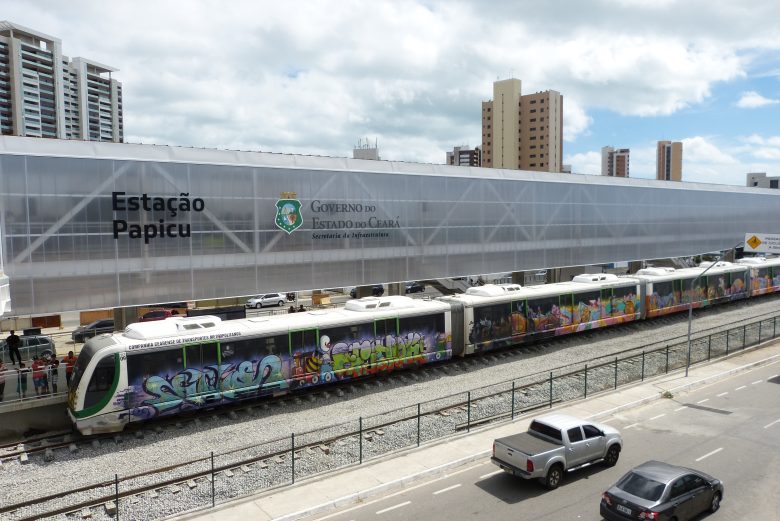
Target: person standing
point(39, 376)
point(14, 342)
point(2, 380)
point(53, 368)
point(21, 383)
point(70, 362)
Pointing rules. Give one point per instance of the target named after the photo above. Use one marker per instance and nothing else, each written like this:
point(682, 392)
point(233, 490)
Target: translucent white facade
point(89, 225)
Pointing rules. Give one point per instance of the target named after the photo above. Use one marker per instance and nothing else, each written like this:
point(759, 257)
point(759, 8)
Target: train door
point(202, 380)
point(386, 335)
point(307, 355)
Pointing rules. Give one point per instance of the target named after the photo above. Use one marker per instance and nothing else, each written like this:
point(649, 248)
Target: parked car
point(156, 314)
point(415, 287)
point(31, 345)
point(555, 444)
point(658, 490)
point(377, 290)
point(268, 299)
point(98, 327)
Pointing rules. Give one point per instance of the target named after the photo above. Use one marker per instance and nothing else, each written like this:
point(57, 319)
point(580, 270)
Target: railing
point(18, 385)
point(215, 478)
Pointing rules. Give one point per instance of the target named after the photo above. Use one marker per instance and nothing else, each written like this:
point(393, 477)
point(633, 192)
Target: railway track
point(274, 463)
point(72, 441)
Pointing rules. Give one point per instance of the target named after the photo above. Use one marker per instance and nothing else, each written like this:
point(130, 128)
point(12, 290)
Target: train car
point(669, 290)
point(180, 364)
point(764, 274)
point(499, 315)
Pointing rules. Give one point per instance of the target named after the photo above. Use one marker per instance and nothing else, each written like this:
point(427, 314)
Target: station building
point(92, 225)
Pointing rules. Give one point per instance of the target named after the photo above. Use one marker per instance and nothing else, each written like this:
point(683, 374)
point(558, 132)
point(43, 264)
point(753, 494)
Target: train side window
point(200, 356)
point(302, 340)
point(146, 364)
point(254, 349)
point(349, 334)
point(422, 324)
point(385, 327)
point(102, 380)
point(566, 303)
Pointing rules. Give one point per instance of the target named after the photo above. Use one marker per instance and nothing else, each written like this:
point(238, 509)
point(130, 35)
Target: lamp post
point(690, 303)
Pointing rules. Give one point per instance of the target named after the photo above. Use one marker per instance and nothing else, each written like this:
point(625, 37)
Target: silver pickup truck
point(554, 444)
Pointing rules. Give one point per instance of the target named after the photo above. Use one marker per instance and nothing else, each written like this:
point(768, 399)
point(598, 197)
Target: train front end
point(95, 403)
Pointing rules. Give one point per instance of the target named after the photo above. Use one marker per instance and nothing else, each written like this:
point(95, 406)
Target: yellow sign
point(762, 243)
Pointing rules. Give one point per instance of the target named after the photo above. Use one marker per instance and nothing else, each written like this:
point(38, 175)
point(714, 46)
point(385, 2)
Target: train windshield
point(89, 350)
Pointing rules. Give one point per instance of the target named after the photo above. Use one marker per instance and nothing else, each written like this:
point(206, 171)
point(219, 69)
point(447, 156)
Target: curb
point(392, 486)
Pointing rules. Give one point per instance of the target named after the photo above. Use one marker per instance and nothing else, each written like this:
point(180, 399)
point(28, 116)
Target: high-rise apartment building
point(45, 94)
point(464, 156)
point(522, 132)
point(668, 166)
point(614, 161)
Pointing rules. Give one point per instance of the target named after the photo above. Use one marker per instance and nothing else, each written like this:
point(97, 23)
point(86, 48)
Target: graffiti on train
point(236, 377)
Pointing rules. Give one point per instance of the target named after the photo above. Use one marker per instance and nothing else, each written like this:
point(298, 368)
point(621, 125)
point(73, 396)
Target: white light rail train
point(181, 364)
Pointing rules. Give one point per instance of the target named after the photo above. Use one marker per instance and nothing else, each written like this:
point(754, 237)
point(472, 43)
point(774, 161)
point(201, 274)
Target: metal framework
point(350, 222)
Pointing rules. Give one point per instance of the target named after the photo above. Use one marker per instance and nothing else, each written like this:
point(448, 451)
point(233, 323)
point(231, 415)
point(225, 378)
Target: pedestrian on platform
point(21, 382)
point(301, 309)
point(14, 342)
point(291, 310)
point(39, 376)
point(3, 370)
point(53, 368)
point(70, 362)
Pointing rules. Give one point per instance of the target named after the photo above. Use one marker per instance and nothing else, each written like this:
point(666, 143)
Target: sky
point(315, 77)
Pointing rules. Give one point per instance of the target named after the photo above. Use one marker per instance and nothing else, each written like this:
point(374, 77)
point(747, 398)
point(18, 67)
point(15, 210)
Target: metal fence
point(19, 384)
point(216, 478)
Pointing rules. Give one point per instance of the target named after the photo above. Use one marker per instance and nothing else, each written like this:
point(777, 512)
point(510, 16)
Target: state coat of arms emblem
point(288, 212)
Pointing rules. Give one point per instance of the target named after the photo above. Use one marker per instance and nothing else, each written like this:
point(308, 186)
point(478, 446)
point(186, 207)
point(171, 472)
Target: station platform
point(322, 494)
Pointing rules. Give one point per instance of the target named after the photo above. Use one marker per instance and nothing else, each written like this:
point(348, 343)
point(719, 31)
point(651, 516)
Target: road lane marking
point(399, 505)
point(485, 476)
point(770, 424)
point(756, 382)
point(680, 408)
point(630, 426)
point(740, 388)
point(400, 492)
point(659, 416)
point(723, 394)
point(446, 489)
point(709, 454)
point(773, 376)
point(704, 400)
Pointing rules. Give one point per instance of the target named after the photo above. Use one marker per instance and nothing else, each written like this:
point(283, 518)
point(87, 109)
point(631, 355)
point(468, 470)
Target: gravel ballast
point(330, 411)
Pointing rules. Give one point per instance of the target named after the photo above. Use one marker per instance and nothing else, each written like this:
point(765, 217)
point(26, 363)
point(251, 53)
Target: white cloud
point(584, 163)
point(752, 99)
point(313, 77)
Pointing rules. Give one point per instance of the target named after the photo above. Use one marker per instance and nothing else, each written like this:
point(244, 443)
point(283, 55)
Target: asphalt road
point(730, 429)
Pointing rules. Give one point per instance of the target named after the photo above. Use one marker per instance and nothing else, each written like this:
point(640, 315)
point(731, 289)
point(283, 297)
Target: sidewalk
point(357, 483)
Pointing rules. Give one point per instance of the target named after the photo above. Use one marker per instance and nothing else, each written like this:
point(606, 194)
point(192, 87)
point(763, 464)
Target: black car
point(98, 327)
point(377, 290)
point(663, 492)
point(414, 287)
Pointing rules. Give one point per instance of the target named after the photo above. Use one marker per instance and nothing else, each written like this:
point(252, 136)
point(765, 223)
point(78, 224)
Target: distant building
point(566, 169)
point(464, 156)
point(365, 150)
point(522, 132)
point(44, 94)
point(668, 166)
point(614, 162)
point(761, 180)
